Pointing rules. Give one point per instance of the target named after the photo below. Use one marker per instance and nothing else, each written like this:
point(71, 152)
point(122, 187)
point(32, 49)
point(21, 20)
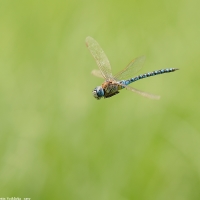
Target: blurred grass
point(57, 141)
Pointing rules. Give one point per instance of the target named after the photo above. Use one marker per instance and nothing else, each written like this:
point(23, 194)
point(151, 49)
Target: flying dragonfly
point(114, 83)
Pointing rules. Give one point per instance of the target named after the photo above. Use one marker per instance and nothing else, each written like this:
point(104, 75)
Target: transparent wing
point(100, 58)
point(133, 67)
point(97, 73)
point(144, 94)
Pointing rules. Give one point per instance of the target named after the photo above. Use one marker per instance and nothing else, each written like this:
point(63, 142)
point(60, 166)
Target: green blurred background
point(58, 142)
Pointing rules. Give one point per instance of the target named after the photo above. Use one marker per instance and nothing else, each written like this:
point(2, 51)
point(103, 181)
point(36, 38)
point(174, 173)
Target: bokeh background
point(58, 142)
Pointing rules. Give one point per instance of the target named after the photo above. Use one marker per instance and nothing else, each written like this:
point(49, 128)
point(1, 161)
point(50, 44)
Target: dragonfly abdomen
point(149, 74)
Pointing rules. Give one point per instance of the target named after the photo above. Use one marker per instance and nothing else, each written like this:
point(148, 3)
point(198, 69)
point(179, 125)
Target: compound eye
point(98, 92)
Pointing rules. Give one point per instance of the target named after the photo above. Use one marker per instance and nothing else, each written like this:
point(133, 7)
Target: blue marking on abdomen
point(127, 82)
point(149, 74)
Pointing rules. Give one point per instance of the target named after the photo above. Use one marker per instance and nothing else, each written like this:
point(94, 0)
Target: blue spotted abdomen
point(149, 74)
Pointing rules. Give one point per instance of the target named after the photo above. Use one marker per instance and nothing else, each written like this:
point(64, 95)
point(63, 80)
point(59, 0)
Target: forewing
point(132, 68)
point(100, 58)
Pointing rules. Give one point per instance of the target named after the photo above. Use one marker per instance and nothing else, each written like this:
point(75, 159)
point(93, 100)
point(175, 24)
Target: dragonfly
point(123, 79)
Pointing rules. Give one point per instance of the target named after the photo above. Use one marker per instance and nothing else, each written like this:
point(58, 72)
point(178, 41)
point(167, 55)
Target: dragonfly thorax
point(98, 92)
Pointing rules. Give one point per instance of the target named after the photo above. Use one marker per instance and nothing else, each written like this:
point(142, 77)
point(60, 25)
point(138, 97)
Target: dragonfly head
point(98, 92)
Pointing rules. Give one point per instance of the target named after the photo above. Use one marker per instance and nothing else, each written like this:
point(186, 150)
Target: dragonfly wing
point(144, 94)
point(100, 58)
point(97, 73)
point(133, 67)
